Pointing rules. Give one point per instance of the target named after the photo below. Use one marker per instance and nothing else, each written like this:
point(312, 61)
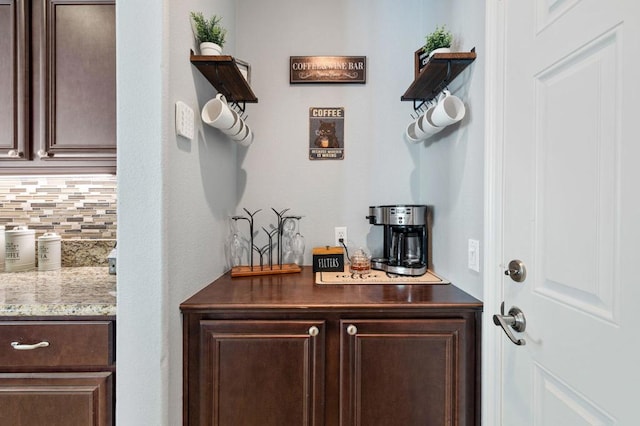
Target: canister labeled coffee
point(20, 249)
point(49, 252)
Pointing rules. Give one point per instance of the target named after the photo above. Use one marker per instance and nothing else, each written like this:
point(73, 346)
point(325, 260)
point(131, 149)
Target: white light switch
point(184, 120)
point(474, 255)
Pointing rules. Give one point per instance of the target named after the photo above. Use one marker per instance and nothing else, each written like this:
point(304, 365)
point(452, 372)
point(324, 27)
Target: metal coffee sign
point(326, 133)
point(327, 69)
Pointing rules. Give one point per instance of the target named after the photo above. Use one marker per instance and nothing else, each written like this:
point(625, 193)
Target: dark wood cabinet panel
point(70, 95)
point(406, 372)
point(261, 372)
point(67, 381)
point(69, 343)
point(76, 70)
point(14, 79)
point(383, 354)
point(56, 399)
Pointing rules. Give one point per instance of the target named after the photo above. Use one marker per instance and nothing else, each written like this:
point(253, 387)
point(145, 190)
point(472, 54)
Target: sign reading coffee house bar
point(327, 69)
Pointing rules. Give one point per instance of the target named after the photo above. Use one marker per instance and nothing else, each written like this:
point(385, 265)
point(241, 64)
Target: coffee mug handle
point(443, 94)
point(221, 97)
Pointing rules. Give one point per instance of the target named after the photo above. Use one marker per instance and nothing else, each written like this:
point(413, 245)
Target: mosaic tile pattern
point(75, 207)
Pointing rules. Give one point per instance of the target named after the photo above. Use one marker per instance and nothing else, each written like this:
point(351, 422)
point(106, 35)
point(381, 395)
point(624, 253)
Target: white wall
point(141, 330)
point(174, 199)
point(379, 166)
point(175, 196)
point(452, 162)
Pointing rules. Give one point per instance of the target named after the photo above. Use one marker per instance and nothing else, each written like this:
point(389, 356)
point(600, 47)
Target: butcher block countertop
point(78, 291)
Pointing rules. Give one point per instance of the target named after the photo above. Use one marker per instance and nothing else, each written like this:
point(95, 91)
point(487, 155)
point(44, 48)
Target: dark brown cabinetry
point(280, 350)
point(57, 372)
point(59, 81)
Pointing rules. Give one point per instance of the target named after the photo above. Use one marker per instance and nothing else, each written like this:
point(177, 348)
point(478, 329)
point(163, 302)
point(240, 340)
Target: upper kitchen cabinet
point(60, 83)
point(14, 74)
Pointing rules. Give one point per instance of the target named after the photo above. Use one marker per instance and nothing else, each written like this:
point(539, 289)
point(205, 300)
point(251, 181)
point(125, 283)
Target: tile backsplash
point(75, 207)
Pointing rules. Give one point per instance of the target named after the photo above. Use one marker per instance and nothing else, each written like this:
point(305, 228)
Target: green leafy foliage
point(208, 30)
point(440, 37)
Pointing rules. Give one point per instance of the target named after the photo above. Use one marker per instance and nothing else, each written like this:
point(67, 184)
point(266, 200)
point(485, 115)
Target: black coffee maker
point(405, 238)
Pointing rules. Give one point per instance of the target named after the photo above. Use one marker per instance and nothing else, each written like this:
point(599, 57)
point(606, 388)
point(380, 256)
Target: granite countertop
point(67, 292)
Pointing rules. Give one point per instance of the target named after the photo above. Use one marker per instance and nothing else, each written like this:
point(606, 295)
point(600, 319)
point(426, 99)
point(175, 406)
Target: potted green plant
point(439, 41)
point(209, 33)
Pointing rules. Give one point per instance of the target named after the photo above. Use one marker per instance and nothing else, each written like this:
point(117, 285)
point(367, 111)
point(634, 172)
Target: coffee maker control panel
point(402, 215)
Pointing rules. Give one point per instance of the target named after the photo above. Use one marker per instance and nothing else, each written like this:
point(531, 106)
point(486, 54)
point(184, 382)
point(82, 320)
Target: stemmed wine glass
point(288, 226)
point(235, 248)
point(297, 245)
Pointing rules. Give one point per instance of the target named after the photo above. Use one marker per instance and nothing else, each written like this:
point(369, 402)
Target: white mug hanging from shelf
point(216, 113)
point(449, 110)
point(236, 127)
point(245, 137)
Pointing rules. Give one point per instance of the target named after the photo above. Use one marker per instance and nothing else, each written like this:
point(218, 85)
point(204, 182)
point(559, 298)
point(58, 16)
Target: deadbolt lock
point(516, 271)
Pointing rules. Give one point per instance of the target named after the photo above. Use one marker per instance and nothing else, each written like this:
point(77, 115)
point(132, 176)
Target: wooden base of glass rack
point(247, 271)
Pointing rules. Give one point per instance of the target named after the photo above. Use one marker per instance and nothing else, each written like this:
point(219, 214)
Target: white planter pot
point(440, 50)
point(210, 49)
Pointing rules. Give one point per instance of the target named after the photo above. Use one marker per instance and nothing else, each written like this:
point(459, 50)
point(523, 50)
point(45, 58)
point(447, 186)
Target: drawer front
point(56, 343)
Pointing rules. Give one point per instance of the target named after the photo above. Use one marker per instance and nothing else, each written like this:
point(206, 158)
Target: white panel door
point(571, 211)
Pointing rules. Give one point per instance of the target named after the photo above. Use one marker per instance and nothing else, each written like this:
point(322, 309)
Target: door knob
point(515, 319)
point(516, 271)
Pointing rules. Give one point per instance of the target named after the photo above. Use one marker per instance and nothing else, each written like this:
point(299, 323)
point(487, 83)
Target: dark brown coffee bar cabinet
point(57, 86)
point(282, 350)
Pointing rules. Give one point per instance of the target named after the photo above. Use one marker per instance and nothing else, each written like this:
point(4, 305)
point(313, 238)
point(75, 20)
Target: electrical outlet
point(340, 234)
point(473, 259)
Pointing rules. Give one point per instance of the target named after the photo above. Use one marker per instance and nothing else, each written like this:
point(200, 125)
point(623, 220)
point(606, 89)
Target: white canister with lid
point(20, 249)
point(49, 256)
point(1, 248)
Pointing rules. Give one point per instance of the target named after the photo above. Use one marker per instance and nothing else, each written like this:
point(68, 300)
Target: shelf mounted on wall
point(223, 73)
point(440, 70)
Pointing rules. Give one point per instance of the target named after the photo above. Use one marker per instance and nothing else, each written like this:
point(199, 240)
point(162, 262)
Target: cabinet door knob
point(19, 347)
point(313, 331)
point(352, 330)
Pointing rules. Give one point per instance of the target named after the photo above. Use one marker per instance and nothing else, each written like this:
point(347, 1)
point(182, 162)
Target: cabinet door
point(14, 83)
point(267, 373)
point(74, 73)
point(56, 399)
point(407, 372)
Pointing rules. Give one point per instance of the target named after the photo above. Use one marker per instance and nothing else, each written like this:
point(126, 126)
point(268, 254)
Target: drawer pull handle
point(313, 331)
point(352, 330)
point(19, 347)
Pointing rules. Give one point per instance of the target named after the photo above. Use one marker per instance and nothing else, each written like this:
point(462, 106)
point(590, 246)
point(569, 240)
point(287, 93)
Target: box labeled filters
point(328, 259)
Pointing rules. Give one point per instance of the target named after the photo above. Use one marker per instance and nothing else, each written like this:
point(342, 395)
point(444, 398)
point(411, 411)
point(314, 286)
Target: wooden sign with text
point(327, 69)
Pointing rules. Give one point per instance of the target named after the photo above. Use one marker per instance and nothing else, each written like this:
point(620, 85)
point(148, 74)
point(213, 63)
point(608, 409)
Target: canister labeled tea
point(49, 252)
point(20, 249)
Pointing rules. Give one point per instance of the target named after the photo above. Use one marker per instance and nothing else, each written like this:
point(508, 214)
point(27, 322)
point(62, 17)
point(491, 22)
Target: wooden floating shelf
point(440, 70)
point(246, 271)
point(223, 73)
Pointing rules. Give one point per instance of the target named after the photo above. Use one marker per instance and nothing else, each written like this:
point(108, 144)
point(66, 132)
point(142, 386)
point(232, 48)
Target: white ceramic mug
point(424, 124)
point(410, 133)
point(216, 113)
point(449, 109)
point(245, 137)
point(247, 140)
point(237, 125)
